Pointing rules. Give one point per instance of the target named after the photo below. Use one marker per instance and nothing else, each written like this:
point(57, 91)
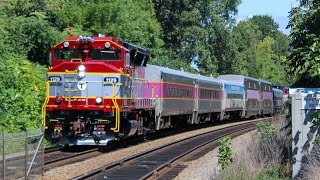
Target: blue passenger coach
point(233, 100)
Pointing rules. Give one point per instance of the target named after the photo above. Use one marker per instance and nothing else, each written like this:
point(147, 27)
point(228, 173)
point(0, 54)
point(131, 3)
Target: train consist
point(101, 89)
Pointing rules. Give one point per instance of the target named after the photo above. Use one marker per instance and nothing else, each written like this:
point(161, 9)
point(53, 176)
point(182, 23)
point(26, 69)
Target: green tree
point(260, 51)
point(268, 63)
point(305, 43)
point(22, 89)
point(126, 20)
point(265, 24)
point(245, 38)
point(32, 37)
point(6, 49)
point(198, 32)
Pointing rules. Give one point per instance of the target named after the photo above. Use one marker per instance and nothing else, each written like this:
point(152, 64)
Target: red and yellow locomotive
point(89, 91)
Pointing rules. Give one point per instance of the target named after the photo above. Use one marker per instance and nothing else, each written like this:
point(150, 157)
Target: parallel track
point(57, 158)
point(153, 162)
point(53, 157)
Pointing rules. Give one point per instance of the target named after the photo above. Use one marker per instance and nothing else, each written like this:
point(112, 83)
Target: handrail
point(45, 103)
point(115, 103)
point(76, 59)
point(154, 103)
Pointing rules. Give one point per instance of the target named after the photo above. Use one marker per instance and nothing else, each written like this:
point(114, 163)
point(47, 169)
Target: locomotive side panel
point(209, 96)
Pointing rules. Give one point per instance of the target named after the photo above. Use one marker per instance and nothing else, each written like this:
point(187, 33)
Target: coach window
point(249, 84)
point(254, 86)
point(105, 54)
point(67, 54)
point(127, 59)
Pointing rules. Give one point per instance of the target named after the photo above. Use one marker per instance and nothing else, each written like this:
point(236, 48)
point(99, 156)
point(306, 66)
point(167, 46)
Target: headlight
point(107, 45)
point(58, 100)
point(81, 74)
point(81, 70)
point(66, 44)
point(98, 100)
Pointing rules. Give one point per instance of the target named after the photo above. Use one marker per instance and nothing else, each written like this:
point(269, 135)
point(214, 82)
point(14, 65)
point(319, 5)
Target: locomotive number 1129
point(54, 78)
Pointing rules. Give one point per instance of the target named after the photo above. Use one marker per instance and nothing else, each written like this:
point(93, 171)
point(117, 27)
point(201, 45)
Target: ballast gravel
point(206, 167)
point(72, 170)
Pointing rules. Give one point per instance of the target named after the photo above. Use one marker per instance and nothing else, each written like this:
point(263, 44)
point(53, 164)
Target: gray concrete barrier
point(305, 102)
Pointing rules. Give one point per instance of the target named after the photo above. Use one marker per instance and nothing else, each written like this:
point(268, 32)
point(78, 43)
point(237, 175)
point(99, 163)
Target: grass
point(16, 143)
point(266, 155)
point(312, 165)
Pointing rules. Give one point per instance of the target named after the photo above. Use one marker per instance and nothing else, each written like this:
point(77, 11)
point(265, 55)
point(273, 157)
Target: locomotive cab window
point(105, 54)
point(67, 54)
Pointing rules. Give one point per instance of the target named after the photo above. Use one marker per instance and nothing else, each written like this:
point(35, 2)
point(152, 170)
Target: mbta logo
point(82, 85)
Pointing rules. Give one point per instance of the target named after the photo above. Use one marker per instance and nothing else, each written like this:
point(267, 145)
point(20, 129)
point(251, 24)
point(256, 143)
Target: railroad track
point(15, 165)
point(157, 162)
point(53, 157)
point(57, 158)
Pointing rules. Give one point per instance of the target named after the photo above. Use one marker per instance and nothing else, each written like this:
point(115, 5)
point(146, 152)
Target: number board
point(111, 79)
point(54, 78)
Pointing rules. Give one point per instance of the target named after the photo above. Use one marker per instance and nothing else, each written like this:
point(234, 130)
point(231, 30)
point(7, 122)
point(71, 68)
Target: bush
point(271, 173)
point(225, 153)
point(22, 89)
point(266, 155)
point(266, 131)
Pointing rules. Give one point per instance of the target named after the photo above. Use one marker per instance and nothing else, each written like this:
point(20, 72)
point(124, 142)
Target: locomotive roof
point(139, 55)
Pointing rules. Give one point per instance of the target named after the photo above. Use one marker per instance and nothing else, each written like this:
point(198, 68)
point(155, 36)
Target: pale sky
point(278, 9)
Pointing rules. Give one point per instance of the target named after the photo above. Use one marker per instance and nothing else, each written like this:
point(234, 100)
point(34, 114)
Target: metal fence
point(22, 154)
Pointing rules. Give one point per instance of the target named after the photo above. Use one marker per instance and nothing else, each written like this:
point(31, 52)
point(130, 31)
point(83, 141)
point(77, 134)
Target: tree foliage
point(304, 60)
point(22, 88)
point(197, 31)
point(225, 152)
point(261, 49)
point(196, 36)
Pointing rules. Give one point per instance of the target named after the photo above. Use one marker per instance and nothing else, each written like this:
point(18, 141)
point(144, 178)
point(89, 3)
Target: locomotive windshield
point(105, 54)
point(67, 54)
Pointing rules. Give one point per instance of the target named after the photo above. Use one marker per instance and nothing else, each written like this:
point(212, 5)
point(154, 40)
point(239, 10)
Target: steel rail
point(134, 157)
point(208, 143)
point(68, 156)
